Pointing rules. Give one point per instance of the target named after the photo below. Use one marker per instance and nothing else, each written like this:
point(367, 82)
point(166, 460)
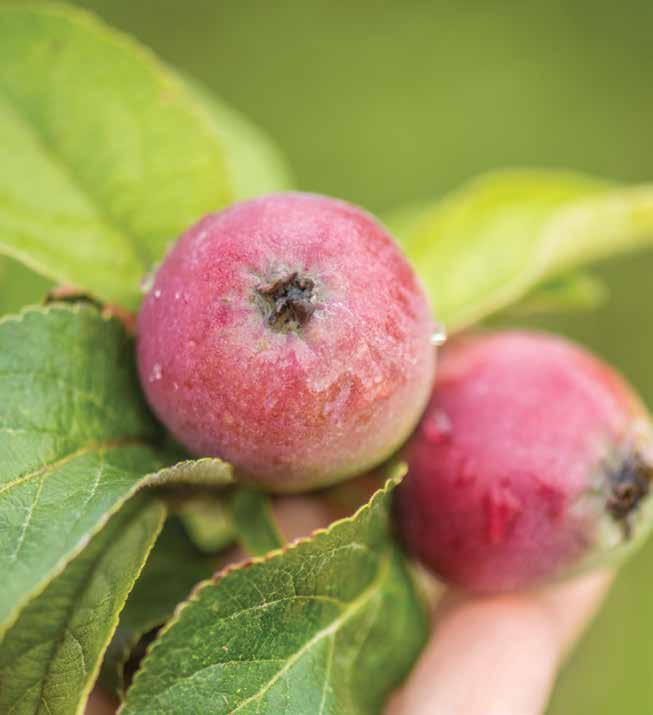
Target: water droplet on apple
point(439, 336)
point(147, 282)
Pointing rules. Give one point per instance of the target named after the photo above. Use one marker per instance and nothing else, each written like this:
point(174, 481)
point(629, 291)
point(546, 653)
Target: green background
point(384, 103)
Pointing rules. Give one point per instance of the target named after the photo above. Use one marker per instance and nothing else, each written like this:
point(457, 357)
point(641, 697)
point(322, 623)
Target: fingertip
point(498, 655)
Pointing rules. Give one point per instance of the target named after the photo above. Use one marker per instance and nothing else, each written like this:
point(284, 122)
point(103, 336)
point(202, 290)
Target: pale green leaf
point(329, 625)
point(50, 657)
point(105, 157)
point(208, 522)
point(486, 246)
point(19, 286)
point(570, 292)
point(256, 165)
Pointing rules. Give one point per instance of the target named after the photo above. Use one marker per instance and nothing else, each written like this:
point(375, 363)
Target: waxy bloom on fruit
point(289, 336)
point(529, 463)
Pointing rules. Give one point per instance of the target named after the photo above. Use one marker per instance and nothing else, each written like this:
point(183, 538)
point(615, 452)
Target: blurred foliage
point(385, 103)
point(19, 286)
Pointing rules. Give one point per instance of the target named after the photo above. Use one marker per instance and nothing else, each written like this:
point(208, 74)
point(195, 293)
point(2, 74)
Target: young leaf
point(329, 625)
point(76, 440)
point(173, 568)
point(50, 657)
point(254, 523)
point(484, 247)
point(105, 157)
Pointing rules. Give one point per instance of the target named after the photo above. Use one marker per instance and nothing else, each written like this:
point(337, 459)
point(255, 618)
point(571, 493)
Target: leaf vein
point(92, 448)
point(353, 608)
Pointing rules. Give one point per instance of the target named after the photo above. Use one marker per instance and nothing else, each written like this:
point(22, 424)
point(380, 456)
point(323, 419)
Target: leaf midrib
point(354, 606)
point(91, 448)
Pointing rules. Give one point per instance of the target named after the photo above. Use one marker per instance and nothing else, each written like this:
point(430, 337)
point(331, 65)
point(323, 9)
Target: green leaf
point(75, 437)
point(329, 625)
point(254, 523)
point(208, 522)
point(203, 472)
point(105, 157)
point(19, 286)
point(173, 568)
point(486, 246)
point(570, 292)
point(50, 657)
point(256, 165)
point(76, 441)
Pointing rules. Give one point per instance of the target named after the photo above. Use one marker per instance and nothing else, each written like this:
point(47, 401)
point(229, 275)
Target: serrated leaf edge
point(379, 496)
point(90, 681)
point(164, 475)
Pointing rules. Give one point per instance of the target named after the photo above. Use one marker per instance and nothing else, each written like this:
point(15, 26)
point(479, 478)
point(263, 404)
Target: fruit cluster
point(289, 336)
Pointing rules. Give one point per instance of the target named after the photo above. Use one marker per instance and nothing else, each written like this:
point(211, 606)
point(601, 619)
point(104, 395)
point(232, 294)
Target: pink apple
point(289, 336)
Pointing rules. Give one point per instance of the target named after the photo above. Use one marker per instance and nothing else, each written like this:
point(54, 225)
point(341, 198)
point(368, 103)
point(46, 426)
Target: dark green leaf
point(254, 523)
point(76, 440)
point(173, 568)
point(50, 657)
point(329, 625)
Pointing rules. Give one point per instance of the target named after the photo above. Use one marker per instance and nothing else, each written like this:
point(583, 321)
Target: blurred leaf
point(50, 657)
point(254, 523)
point(105, 158)
point(330, 625)
point(173, 568)
point(256, 165)
point(76, 440)
point(19, 286)
point(571, 292)
point(484, 247)
point(208, 522)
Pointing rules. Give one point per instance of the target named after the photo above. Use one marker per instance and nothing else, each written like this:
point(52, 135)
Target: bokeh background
point(385, 103)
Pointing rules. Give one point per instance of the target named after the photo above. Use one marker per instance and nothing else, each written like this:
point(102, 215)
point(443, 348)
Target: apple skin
point(289, 336)
point(532, 461)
